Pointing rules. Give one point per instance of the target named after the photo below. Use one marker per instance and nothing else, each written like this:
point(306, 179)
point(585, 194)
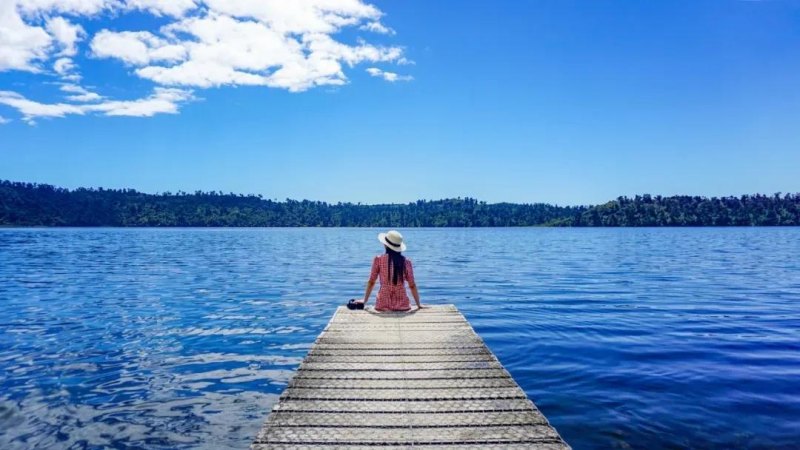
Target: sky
point(557, 101)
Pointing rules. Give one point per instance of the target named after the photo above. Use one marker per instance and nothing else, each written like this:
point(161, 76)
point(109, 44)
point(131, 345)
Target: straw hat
point(393, 240)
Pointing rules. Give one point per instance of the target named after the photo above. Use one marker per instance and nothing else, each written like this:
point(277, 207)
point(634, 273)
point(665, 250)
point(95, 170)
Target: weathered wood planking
point(421, 380)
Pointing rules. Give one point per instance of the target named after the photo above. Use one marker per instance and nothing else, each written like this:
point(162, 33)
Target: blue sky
point(569, 102)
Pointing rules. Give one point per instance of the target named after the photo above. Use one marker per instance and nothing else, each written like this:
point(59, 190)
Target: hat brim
point(397, 248)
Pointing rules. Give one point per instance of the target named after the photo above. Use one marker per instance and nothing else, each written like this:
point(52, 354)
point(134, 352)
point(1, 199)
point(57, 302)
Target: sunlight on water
point(184, 338)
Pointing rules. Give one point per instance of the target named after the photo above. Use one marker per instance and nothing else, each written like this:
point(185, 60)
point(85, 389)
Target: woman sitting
point(394, 270)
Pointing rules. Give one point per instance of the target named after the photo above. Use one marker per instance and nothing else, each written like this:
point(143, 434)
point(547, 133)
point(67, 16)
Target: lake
point(184, 338)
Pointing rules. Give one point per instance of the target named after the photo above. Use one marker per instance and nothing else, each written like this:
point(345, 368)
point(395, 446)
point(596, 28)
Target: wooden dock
point(421, 380)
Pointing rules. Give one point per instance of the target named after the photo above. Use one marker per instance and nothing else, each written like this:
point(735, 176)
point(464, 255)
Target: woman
point(393, 269)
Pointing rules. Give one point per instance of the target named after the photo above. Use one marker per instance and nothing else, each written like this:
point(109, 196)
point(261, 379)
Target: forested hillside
point(655, 211)
point(28, 204)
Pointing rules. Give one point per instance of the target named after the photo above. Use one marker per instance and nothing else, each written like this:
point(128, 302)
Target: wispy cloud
point(80, 93)
point(291, 45)
point(4, 121)
point(388, 76)
point(161, 101)
point(377, 27)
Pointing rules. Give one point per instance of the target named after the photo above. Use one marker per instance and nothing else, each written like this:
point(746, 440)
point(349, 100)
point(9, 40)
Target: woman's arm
point(373, 277)
point(415, 293)
point(370, 285)
point(412, 283)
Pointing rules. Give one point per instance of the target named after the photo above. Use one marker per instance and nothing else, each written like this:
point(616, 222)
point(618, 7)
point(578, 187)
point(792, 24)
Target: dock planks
point(421, 380)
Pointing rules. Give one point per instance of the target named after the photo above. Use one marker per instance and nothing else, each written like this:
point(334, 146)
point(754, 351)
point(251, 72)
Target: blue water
point(184, 338)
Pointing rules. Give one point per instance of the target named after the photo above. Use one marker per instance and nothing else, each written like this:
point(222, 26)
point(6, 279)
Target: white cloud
point(63, 66)
point(31, 109)
point(161, 101)
point(298, 17)
point(229, 51)
point(73, 88)
point(377, 27)
point(73, 7)
point(21, 45)
point(85, 98)
point(93, 7)
point(66, 69)
point(200, 74)
point(253, 43)
point(80, 94)
point(175, 8)
point(4, 121)
point(388, 76)
point(66, 34)
point(224, 51)
point(286, 44)
point(135, 47)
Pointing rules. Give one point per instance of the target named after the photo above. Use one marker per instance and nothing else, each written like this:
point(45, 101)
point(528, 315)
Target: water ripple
point(184, 338)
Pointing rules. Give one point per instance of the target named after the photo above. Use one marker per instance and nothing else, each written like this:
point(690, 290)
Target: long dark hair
point(396, 259)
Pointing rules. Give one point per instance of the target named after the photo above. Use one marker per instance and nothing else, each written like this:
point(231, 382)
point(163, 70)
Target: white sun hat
point(393, 239)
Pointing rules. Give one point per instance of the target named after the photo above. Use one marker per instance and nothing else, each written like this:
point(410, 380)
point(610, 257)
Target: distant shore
point(42, 205)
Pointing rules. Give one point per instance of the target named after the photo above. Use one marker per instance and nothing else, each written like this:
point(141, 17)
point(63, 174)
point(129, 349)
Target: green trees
point(27, 204)
point(640, 211)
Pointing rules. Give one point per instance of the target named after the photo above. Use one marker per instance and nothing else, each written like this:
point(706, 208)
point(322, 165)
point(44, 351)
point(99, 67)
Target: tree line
point(31, 204)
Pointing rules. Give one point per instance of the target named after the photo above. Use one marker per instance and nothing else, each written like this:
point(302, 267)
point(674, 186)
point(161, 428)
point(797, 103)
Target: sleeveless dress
point(391, 297)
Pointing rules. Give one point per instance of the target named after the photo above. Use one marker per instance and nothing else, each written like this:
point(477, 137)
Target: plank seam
point(544, 440)
point(381, 411)
point(400, 427)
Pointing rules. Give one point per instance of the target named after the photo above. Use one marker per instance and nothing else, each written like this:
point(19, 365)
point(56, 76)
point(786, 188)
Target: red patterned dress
point(391, 297)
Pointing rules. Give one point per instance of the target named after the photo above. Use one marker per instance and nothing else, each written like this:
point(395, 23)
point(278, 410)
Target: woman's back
point(392, 296)
point(394, 270)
